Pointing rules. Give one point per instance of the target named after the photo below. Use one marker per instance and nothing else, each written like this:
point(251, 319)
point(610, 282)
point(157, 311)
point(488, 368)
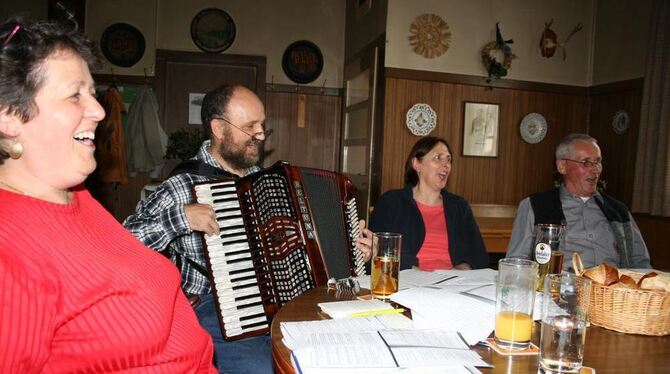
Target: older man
point(597, 226)
point(168, 221)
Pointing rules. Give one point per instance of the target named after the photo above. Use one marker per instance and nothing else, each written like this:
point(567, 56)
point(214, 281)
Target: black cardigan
point(396, 211)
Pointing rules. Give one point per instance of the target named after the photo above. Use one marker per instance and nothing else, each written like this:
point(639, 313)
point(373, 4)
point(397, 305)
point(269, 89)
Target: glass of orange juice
point(515, 299)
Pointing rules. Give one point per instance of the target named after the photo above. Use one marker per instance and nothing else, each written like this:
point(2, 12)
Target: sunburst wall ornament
point(430, 35)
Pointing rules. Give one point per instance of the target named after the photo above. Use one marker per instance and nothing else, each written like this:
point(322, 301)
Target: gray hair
point(564, 148)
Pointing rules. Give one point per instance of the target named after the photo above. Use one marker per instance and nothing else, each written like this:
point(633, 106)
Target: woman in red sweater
point(78, 293)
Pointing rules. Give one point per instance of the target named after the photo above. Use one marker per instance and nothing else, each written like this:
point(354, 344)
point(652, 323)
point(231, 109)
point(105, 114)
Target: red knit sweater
point(78, 293)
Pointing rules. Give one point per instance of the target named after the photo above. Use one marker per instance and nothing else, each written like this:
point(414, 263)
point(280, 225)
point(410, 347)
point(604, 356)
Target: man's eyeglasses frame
point(587, 163)
point(255, 136)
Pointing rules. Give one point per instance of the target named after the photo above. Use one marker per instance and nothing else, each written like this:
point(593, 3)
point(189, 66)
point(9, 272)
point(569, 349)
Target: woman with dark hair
point(78, 292)
point(438, 228)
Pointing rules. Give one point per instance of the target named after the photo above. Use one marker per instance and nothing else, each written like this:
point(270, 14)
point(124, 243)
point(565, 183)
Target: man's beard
point(236, 155)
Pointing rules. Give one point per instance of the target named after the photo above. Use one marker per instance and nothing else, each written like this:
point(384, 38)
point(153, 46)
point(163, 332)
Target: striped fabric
point(78, 293)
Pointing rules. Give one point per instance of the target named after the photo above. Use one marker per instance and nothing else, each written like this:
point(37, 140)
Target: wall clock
point(213, 30)
point(122, 44)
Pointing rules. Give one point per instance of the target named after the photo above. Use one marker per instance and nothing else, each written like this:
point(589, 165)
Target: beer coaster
point(531, 350)
point(364, 297)
point(583, 370)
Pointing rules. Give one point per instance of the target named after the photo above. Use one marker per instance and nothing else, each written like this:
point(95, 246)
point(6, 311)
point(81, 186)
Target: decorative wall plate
point(620, 122)
point(533, 128)
point(429, 35)
point(213, 30)
point(421, 119)
point(302, 62)
point(122, 44)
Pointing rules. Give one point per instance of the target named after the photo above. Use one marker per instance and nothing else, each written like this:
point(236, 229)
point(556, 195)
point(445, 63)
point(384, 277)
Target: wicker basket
point(645, 312)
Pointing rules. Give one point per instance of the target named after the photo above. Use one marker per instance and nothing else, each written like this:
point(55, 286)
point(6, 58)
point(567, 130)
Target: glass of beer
point(385, 264)
point(547, 238)
point(565, 305)
point(515, 299)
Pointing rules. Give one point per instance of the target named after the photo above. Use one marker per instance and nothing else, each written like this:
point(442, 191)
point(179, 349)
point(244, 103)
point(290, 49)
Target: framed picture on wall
point(480, 129)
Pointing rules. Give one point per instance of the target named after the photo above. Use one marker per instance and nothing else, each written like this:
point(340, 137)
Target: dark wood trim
point(627, 85)
point(163, 56)
point(473, 80)
point(123, 79)
point(298, 89)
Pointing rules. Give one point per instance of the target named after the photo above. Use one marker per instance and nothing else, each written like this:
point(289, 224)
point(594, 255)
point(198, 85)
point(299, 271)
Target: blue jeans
point(250, 355)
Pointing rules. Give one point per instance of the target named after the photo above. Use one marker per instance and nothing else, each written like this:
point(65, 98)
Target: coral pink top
point(78, 293)
point(434, 252)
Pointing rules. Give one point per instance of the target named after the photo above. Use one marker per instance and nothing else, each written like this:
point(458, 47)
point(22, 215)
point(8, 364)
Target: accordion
point(284, 230)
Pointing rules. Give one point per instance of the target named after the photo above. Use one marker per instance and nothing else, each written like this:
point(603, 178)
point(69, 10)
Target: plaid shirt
point(160, 223)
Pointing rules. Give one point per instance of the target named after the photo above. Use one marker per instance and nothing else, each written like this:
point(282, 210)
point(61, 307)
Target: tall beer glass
point(385, 264)
point(547, 238)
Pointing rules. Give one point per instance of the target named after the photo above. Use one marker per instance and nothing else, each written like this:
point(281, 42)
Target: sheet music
point(385, 349)
point(294, 333)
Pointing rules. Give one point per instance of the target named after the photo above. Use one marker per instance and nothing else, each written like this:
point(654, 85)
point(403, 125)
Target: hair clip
point(11, 34)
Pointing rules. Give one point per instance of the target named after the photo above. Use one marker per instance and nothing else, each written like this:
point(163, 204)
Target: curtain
point(651, 188)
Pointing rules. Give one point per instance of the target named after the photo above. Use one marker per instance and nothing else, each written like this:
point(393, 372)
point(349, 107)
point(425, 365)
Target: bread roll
point(602, 274)
point(653, 281)
point(626, 282)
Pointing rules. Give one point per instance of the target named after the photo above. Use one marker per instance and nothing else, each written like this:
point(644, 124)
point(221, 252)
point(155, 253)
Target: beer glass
point(565, 305)
point(515, 299)
point(546, 239)
point(385, 264)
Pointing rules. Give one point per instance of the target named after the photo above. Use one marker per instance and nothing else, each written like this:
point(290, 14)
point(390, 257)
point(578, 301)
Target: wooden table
point(607, 351)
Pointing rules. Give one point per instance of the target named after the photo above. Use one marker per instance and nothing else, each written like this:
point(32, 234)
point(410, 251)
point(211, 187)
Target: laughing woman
point(438, 228)
point(78, 293)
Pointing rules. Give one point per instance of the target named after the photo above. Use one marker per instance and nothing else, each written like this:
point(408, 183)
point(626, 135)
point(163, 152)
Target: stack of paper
point(342, 309)
point(388, 350)
point(471, 315)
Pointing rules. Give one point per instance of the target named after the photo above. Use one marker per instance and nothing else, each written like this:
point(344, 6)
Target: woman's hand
point(364, 241)
point(463, 266)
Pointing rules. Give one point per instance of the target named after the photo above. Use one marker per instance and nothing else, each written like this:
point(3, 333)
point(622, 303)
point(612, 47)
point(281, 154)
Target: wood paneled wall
point(655, 233)
point(317, 144)
point(619, 151)
point(519, 169)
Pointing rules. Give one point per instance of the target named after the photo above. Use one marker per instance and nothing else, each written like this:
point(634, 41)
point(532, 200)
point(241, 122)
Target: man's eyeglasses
point(255, 136)
point(586, 163)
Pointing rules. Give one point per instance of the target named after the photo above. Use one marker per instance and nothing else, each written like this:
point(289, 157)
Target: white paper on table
point(435, 308)
point(294, 333)
point(409, 278)
point(386, 349)
point(487, 292)
point(342, 309)
point(412, 357)
point(424, 338)
point(474, 277)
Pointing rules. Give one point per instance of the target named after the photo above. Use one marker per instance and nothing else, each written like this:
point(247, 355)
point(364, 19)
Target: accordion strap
point(201, 168)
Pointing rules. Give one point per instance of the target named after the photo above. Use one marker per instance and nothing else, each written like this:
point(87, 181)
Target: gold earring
point(15, 150)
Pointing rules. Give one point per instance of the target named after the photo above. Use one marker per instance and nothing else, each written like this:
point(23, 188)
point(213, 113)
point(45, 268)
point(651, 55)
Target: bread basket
point(631, 311)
